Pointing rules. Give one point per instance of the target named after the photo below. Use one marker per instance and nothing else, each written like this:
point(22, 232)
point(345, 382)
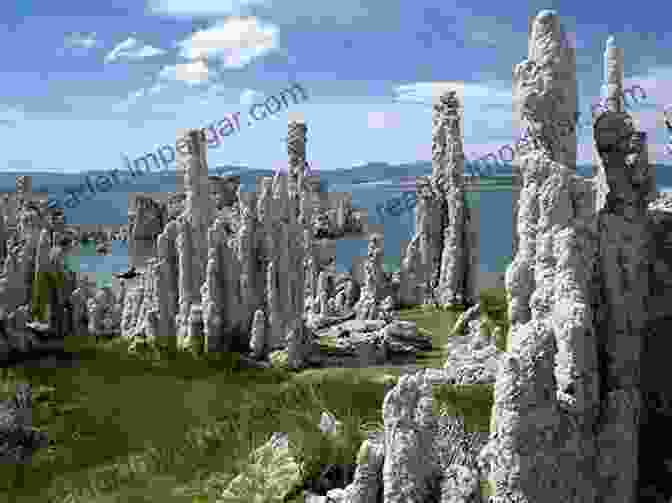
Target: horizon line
point(587, 163)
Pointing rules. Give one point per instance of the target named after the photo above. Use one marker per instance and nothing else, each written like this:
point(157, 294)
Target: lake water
point(495, 234)
point(494, 208)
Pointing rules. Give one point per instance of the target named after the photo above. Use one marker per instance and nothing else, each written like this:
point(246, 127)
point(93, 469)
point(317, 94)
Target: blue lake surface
point(495, 226)
point(495, 233)
point(86, 260)
point(494, 208)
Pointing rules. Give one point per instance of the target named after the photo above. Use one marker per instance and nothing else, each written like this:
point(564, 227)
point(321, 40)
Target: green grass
point(438, 323)
point(43, 282)
point(135, 428)
point(125, 426)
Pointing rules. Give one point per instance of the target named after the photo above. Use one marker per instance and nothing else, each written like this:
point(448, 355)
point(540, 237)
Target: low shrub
point(43, 284)
point(473, 402)
point(494, 305)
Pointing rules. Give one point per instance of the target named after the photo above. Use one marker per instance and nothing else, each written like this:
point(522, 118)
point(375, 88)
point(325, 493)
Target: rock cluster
point(579, 404)
point(150, 217)
point(104, 312)
point(440, 262)
point(337, 218)
point(18, 438)
point(218, 265)
point(420, 455)
point(34, 284)
point(375, 286)
point(569, 409)
point(375, 342)
point(472, 358)
point(334, 296)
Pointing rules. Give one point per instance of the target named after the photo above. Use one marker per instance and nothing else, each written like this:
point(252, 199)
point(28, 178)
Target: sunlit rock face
point(545, 89)
point(569, 416)
point(224, 190)
point(441, 260)
point(150, 217)
point(223, 256)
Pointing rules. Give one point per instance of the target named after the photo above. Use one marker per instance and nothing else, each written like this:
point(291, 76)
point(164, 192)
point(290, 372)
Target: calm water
point(495, 224)
point(88, 261)
point(495, 235)
point(495, 229)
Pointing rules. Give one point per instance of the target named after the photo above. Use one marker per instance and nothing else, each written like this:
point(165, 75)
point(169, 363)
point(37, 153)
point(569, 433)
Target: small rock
point(405, 334)
point(310, 497)
point(337, 496)
point(462, 322)
point(329, 425)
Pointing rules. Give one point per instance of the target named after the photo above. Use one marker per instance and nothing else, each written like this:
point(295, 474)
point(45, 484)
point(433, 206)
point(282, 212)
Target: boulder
point(272, 464)
point(406, 333)
point(358, 326)
point(318, 322)
point(368, 482)
point(460, 484)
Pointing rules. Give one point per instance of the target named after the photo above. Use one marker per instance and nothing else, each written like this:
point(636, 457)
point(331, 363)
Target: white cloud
point(472, 96)
point(201, 7)
point(132, 49)
point(250, 96)
point(287, 12)
point(235, 42)
point(193, 73)
point(83, 40)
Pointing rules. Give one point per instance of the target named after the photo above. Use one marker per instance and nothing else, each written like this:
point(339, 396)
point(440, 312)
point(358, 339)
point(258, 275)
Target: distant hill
point(57, 183)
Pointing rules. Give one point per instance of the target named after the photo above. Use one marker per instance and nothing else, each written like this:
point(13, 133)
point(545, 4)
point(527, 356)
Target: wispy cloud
point(203, 8)
point(83, 40)
point(192, 73)
point(287, 12)
point(132, 49)
point(470, 94)
point(78, 44)
point(234, 42)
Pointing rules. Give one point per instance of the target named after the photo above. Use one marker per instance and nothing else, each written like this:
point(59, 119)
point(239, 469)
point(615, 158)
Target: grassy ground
point(128, 429)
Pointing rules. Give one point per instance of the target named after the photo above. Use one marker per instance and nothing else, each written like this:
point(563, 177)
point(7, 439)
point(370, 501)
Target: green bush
point(493, 302)
point(473, 402)
point(501, 339)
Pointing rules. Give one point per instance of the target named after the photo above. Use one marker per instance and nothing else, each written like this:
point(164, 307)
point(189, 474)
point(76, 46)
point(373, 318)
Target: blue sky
point(84, 82)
